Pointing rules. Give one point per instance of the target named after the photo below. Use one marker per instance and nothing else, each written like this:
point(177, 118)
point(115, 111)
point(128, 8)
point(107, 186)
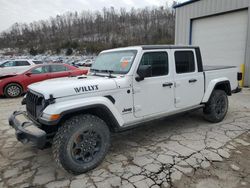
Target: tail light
point(239, 76)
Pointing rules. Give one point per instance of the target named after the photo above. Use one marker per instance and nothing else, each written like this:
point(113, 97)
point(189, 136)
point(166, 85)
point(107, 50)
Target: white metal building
point(220, 27)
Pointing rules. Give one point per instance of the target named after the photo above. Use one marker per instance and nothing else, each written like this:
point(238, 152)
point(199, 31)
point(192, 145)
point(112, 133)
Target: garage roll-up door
point(222, 38)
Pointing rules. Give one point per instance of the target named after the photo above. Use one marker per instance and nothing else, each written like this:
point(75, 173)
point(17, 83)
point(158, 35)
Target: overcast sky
point(12, 11)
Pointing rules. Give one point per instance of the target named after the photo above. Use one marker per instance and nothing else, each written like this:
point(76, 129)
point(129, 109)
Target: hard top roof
point(151, 47)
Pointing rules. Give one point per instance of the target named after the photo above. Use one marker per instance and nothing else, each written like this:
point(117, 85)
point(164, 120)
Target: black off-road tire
point(13, 90)
point(73, 141)
point(217, 106)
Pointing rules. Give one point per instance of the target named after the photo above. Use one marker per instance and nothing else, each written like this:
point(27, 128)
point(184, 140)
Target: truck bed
point(220, 73)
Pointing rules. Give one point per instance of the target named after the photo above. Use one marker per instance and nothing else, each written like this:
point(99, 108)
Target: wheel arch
point(219, 85)
point(15, 82)
point(98, 110)
point(225, 86)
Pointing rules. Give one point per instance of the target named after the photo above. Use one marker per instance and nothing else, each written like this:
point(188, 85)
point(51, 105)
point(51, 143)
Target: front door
point(8, 67)
point(22, 65)
point(154, 94)
point(189, 82)
point(36, 74)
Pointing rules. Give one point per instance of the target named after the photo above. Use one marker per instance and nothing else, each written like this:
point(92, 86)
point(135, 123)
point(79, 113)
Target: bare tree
point(94, 31)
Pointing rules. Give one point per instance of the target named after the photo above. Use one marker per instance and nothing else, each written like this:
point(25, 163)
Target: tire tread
point(64, 130)
point(208, 110)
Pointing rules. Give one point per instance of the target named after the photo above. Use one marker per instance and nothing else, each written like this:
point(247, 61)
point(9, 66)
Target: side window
point(58, 68)
point(8, 64)
point(158, 62)
point(40, 70)
point(184, 62)
point(22, 63)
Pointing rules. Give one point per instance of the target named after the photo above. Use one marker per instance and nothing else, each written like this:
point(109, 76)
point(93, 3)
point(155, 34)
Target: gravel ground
point(184, 151)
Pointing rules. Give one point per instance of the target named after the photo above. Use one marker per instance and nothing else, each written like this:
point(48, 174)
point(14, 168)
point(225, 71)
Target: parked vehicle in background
point(37, 62)
point(70, 62)
point(14, 84)
point(88, 62)
point(79, 63)
point(126, 87)
point(12, 66)
point(85, 63)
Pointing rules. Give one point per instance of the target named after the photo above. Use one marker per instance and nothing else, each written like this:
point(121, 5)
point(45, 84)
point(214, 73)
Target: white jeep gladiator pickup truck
point(125, 88)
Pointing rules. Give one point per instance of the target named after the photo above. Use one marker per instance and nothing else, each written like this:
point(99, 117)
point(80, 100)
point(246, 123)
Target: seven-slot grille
point(32, 102)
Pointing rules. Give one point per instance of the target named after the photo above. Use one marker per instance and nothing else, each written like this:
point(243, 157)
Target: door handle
point(192, 81)
point(168, 84)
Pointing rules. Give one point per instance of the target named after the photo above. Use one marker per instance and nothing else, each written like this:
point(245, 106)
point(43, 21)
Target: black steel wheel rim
point(86, 146)
point(220, 106)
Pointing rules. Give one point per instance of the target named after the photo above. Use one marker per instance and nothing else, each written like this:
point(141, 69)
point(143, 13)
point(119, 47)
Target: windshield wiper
point(109, 72)
point(95, 71)
point(105, 71)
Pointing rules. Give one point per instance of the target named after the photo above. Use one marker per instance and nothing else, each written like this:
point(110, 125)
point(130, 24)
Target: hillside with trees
point(92, 32)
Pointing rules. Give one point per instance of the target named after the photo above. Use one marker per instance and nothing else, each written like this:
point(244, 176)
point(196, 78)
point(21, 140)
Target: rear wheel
point(81, 143)
point(13, 90)
point(217, 107)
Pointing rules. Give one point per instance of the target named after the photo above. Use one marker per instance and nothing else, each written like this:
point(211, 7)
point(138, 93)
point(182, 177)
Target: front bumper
point(26, 130)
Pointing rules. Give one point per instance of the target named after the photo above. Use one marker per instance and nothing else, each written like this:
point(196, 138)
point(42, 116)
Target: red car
point(13, 85)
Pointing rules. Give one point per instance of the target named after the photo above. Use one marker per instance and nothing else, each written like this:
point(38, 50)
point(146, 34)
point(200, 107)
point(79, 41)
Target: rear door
point(57, 71)
point(22, 65)
point(189, 82)
point(154, 94)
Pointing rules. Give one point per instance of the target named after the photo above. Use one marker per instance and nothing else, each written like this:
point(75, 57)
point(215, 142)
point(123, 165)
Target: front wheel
point(81, 143)
point(217, 106)
point(13, 90)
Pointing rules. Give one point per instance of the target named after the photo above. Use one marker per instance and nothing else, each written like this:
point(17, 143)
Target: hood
point(6, 75)
point(10, 71)
point(70, 86)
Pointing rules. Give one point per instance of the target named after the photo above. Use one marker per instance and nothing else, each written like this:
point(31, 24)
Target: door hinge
point(136, 90)
point(137, 108)
point(176, 100)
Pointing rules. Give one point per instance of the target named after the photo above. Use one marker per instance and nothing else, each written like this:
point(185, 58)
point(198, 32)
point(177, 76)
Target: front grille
point(33, 102)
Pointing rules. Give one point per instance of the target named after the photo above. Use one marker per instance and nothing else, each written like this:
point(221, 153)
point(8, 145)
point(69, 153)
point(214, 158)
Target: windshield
point(116, 62)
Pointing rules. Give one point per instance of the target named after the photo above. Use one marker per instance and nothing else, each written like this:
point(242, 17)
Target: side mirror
point(28, 74)
point(143, 72)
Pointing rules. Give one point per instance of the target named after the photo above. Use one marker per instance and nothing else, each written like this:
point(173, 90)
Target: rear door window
point(22, 63)
point(184, 62)
point(58, 68)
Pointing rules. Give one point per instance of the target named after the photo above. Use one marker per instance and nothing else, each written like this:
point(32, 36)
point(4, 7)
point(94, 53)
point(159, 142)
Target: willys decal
point(86, 88)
